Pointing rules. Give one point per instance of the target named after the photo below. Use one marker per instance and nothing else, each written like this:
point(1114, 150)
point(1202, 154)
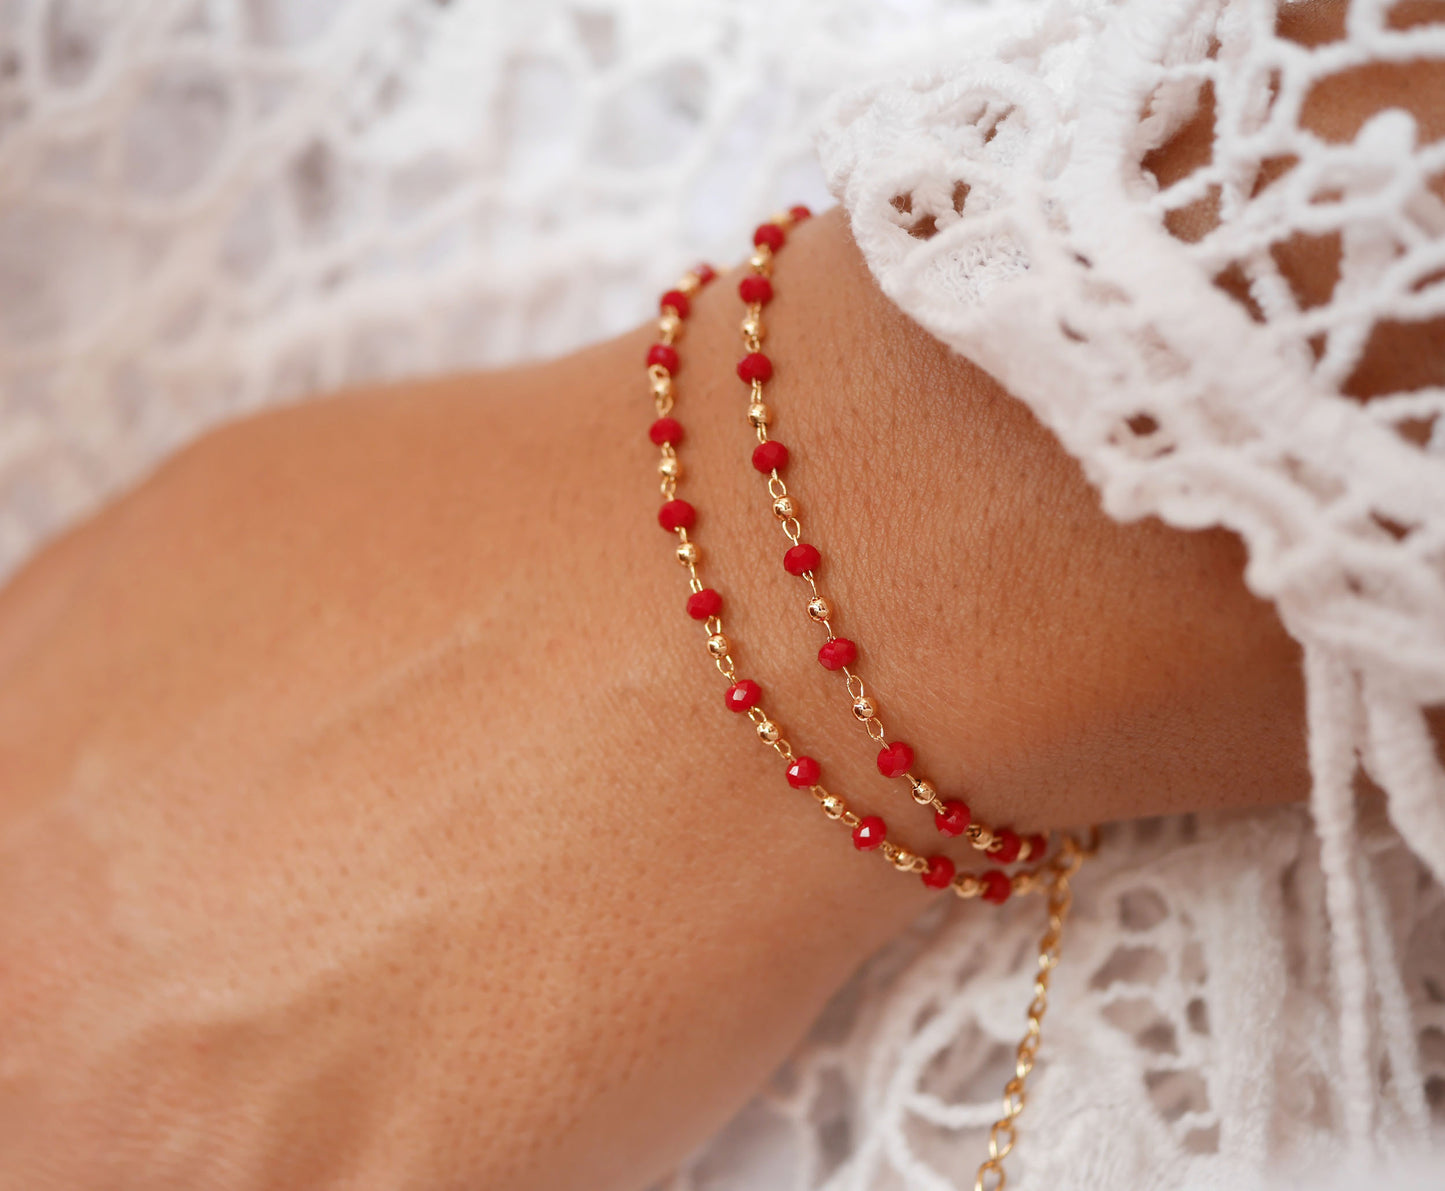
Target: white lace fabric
point(1008, 202)
point(210, 205)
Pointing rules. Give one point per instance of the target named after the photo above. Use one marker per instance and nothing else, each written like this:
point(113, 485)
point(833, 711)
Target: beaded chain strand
point(895, 759)
point(802, 560)
point(744, 695)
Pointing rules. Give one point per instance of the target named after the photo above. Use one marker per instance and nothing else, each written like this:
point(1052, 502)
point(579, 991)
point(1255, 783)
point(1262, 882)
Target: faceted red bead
point(676, 514)
point(743, 694)
point(770, 234)
point(1006, 845)
point(755, 366)
point(804, 771)
point(894, 759)
point(1038, 845)
point(800, 213)
point(704, 273)
point(869, 833)
point(837, 652)
point(996, 886)
point(663, 356)
point(939, 873)
point(770, 456)
point(954, 818)
point(677, 300)
point(704, 603)
point(801, 558)
point(665, 430)
point(754, 289)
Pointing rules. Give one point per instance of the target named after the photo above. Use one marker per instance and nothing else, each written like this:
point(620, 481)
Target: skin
point(370, 814)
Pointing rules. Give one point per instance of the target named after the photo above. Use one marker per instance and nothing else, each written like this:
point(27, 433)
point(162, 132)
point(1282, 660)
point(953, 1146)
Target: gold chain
point(1002, 844)
point(1004, 1133)
point(1052, 877)
point(994, 885)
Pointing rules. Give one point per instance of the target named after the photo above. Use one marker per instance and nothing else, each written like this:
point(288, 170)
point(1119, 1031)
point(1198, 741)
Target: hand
point(370, 816)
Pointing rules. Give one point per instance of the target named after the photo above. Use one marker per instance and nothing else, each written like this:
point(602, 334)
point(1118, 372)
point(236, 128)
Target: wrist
point(1056, 666)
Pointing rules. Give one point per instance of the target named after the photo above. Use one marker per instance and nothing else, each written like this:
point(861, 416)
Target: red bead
point(894, 759)
point(1006, 846)
point(665, 430)
point(804, 771)
point(837, 652)
point(869, 833)
point(770, 234)
point(663, 356)
point(954, 818)
point(800, 213)
point(755, 366)
point(996, 886)
point(676, 514)
point(677, 300)
point(704, 603)
point(704, 273)
point(770, 456)
point(743, 694)
point(1038, 845)
point(801, 558)
point(939, 873)
point(755, 290)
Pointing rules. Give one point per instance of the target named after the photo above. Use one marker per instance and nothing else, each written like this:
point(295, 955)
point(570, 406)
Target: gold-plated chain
point(1004, 1133)
point(964, 885)
point(820, 609)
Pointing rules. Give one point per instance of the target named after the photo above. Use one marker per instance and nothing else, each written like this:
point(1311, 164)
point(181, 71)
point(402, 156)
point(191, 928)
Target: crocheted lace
point(209, 205)
point(1012, 204)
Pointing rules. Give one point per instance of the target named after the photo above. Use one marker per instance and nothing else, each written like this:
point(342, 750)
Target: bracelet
point(744, 694)
point(705, 604)
point(838, 654)
point(895, 759)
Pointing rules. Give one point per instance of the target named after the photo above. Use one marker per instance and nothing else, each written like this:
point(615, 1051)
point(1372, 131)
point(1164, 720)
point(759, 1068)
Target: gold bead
point(661, 386)
point(669, 325)
point(759, 415)
point(670, 467)
point(863, 709)
point(717, 645)
point(784, 507)
point(819, 609)
point(769, 732)
point(967, 885)
point(688, 554)
point(689, 284)
point(761, 259)
point(923, 792)
point(753, 326)
point(832, 806)
point(902, 860)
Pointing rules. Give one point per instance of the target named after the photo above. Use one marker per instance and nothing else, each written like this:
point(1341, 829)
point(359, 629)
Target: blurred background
point(208, 206)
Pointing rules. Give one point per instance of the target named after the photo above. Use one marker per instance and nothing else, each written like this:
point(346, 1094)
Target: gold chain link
point(1004, 1133)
